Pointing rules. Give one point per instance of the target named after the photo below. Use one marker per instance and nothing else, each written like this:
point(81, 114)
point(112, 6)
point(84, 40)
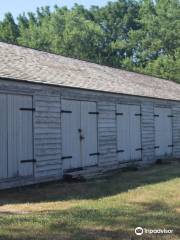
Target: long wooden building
point(60, 115)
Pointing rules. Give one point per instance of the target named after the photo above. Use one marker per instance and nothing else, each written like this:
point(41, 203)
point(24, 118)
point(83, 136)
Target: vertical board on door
point(3, 137)
point(13, 136)
point(163, 131)
point(70, 134)
point(128, 133)
point(26, 136)
point(135, 130)
point(89, 149)
point(123, 133)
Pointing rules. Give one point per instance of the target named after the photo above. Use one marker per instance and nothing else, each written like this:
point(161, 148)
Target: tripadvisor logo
point(140, 231)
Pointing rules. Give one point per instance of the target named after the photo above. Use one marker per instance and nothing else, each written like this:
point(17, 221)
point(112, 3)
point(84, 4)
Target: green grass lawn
point(102, 209)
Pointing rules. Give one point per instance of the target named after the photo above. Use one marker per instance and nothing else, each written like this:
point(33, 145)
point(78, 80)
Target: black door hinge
point(64, 111)
point(94, 154)
point(119, 114)
point(137, 114)
point(95, 113)
point(27, 109)
point(120, 151)
point(28, 161)
point(156, 115)
point(66, 157)
point(139, 149)
point(155, 147)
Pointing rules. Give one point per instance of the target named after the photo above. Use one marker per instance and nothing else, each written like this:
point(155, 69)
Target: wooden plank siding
point(176, 130)
point(107, 134)
point(47, 136)
point(147, 131)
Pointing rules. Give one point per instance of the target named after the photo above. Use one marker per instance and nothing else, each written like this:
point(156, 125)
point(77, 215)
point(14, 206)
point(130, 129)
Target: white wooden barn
point(60, 115)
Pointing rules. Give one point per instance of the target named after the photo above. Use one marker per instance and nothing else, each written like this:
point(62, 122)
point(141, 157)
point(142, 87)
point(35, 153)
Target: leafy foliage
point(8, 29)
point(142, 36)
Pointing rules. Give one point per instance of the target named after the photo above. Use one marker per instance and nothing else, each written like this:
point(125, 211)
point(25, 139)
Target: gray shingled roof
point(35, 66)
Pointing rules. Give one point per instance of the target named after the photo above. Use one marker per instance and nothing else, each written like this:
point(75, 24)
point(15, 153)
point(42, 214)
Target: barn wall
point(47, 125)
point(176, 130)
point(107, 134)
point(47, 135)
point(147, 134)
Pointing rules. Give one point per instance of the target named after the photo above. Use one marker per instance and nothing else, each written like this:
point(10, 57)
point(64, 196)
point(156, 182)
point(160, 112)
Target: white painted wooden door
point(163, 131)
point(79, 134)
point(26, 161)
point(13, 136)
point(20, 136)
point(135, 132)
point(128, 133)
point(89, 133)
point(3, 137)
point(70, 134)
point(16, 136)
point(123, 133)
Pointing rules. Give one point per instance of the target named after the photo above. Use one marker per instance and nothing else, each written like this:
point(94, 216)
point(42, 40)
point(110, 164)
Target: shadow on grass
point(95, 189)
point(91, 224)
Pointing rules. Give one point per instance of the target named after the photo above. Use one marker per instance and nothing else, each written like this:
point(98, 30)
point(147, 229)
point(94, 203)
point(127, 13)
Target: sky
point(19, 6)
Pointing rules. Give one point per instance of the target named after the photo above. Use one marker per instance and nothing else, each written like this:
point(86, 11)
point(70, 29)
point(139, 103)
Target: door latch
point(80, 134)
point(82, 137)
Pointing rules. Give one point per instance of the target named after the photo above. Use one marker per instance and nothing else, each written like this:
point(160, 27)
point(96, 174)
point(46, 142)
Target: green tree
point(8, 29)
point(116, 20)
point(33, 29)
point(81, 37)
point(156, 43)
point(73, 33)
